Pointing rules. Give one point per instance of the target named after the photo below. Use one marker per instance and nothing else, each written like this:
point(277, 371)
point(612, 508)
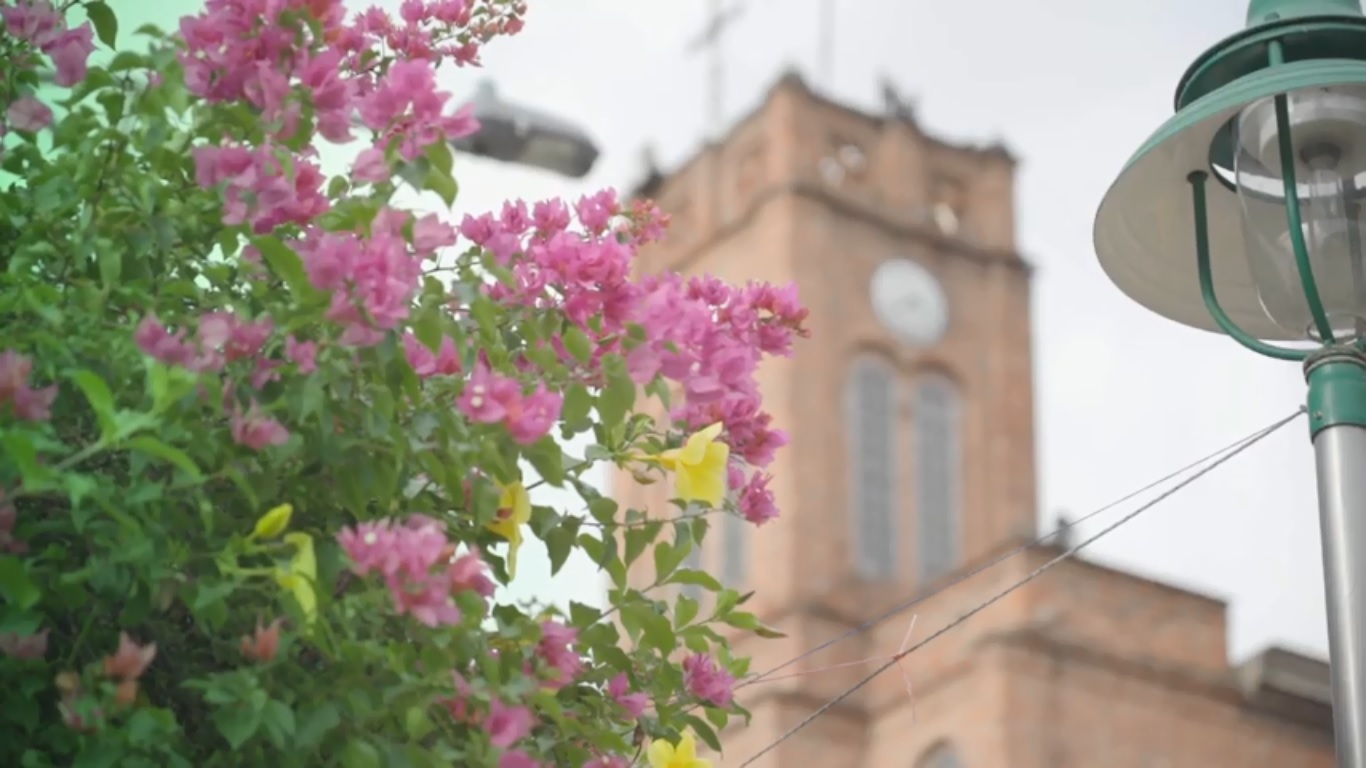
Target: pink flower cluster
point(372, 279)
point(490, 398)
point(418, 565)
point(507, 725)
point(619, 688)
point(249, 51)
point(25, 647)
point(44, 28)
point(223, 338)
point(257, 187)
point(423, 30)
point(426, 363)
point(556, 650)
point(707, 681)
point(9, 518)
point(707, 336)
point(28, 403)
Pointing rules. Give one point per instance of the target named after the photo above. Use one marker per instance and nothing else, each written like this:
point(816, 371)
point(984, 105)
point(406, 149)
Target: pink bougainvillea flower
point(304, 354)
point(28, 114)
point(557, 650)
point(130, 660)
point(756, 500)
point(26, 647)
point(28, 403)
point(516, 758)
point(707, 681)
point(507, 725)
point(257, 430)
point(371, 166)
point(35, 22)
point(9, 518)
point(416, 561)
point(619, 688)
point(264, 643)
point(70, 52)
point(425, 363)
point(487, 396)
point(538, 412)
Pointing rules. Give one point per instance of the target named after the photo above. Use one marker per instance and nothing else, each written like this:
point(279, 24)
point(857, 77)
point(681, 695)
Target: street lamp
point(517, 134)
point(1243, 214)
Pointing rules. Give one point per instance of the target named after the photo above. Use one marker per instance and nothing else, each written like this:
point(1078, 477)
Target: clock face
point(910, 302)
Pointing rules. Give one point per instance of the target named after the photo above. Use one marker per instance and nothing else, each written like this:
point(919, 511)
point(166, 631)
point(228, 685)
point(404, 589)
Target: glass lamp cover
point(1328, 141)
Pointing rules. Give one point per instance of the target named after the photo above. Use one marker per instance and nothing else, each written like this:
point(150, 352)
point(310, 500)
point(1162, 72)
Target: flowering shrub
point(267, 439)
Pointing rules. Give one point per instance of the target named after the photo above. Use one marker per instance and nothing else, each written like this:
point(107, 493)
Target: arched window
point(942, 756)
point(735, 561)
point(871, 420)
point(693, 562)
point(936, 416)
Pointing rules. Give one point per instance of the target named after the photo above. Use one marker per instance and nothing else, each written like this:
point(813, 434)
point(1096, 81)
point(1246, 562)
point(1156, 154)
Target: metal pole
point(1337, 410)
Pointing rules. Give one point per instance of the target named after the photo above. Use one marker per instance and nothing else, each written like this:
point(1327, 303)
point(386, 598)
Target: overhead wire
point(1227, 455)
point(901, 608)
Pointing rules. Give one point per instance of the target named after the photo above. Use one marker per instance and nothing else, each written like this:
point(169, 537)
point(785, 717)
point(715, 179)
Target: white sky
point(1073, 87)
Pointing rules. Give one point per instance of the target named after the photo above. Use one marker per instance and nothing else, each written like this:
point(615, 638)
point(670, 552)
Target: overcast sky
point(1072, 87)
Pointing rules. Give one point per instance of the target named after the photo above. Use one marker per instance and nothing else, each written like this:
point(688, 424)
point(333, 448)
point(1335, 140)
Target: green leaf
point(669, 556)
point(726, 600)
point(619, 395)
point(101, 400)
point(278, 719)
point(286, 265)
point(417, 723)
point(548, 460)
point(703, 731)
point(360, 754)
point(110, 262)
point(105, 22)
point(19, 590)
point(559, 542)
point(577, 404)
point(314, 725)
point(20, 449)
point(695, 578)
point(657, 631)
point(237, 723)
point(439, 152)
point(638, 538)
point(685, 611)
point(442, 183)
point(746, 620)
point(427, 328)
point(576, 341)
point(582, 616)
point(603, 510)
point(159, 450)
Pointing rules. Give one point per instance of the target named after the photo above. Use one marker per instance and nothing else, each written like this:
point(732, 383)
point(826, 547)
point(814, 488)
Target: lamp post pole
point(1270, 136)
point(1337, 415)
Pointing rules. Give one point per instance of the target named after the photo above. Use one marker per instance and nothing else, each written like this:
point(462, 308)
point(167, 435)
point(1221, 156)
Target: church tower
point(910, 409)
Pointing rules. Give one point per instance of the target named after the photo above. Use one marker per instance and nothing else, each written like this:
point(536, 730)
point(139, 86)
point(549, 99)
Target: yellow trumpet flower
point(700, 467)
point(514, 511)
point(662, 754)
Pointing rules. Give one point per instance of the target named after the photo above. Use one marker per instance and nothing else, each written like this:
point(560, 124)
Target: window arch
point(693, 562)
point(871, 423)
point(942, 756)
point(936, 417)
